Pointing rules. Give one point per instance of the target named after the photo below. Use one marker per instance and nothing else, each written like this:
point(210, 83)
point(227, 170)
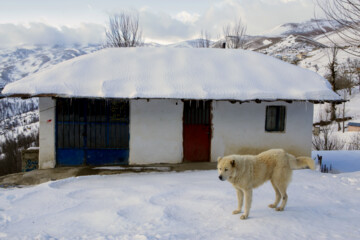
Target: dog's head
point(226, 167)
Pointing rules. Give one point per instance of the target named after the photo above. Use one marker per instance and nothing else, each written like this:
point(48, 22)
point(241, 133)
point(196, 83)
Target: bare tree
point(354, 142)
point(204, 40)
point(235, 34)
point(342, 113)
point(326, 139)
point(355, 68)
point(346, 79)
point(332, 76)
point(346, 14)
point(123, 31)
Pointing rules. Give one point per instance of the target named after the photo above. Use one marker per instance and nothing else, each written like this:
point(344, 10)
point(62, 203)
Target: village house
point(354, 127)
point(168, 105)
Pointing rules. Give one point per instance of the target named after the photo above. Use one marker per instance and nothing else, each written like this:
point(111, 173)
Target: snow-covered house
point(164, 105)
point(354, 127)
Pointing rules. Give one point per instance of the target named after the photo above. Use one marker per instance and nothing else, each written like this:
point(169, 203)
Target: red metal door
point(196, 131)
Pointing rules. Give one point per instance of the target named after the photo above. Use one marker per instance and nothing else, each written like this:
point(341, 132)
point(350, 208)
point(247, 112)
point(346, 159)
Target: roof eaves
point(257, 100)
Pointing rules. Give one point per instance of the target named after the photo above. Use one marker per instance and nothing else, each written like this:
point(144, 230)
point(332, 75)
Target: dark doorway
point(92, 132)
point(197, 131)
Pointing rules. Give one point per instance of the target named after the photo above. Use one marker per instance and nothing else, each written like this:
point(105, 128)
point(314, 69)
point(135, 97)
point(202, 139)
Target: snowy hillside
point(311, 51)
point(186, 205)
point(25, 123)
point(288, 46)
point(311, 28)
point(16, 63)
point(318, 61)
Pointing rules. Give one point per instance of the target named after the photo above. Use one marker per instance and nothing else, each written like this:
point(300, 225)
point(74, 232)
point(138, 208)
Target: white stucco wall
point(47, 133)
point(240, 129)
point(156, 131)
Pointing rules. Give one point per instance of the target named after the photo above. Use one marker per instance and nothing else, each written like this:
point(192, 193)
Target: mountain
point(311, 28)
point(290, 45)
point(16, 63)
point(188, 44)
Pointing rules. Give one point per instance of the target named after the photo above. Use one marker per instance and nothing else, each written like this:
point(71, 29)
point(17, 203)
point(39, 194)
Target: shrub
point(12, 148)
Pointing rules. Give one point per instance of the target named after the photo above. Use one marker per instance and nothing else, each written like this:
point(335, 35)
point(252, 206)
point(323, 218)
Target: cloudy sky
point(162, 21)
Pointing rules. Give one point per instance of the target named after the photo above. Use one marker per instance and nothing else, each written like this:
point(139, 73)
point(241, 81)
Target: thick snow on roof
point(176, 73)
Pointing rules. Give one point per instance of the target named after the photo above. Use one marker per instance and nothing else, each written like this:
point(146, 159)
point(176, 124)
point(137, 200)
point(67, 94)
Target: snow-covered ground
point(187, 205)
point(340, 161)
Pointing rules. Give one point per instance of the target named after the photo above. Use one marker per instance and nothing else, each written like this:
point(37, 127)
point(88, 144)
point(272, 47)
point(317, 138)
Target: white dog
point(246, 172)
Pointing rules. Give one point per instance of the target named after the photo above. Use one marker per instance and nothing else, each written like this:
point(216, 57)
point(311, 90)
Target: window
point(275, 118)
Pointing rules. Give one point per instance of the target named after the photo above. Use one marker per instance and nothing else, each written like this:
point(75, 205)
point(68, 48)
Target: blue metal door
point(92, 132)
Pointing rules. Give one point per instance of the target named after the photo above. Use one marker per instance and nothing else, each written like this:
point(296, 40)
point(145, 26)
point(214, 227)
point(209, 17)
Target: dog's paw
point(236, 211)
point(279, 209)
point(243, 217)
point(272, 206)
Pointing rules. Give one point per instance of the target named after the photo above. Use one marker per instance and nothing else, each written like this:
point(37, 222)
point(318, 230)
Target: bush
point(354, 142)
point(12, 148)
point(326, 140)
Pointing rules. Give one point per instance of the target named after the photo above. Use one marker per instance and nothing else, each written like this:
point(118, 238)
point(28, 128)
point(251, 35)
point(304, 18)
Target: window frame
point(280, 119)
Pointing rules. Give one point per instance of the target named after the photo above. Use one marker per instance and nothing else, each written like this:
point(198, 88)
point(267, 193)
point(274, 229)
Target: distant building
point(353, 127)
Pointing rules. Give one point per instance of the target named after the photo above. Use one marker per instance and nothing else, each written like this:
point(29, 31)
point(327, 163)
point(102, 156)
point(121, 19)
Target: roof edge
point(257, 100)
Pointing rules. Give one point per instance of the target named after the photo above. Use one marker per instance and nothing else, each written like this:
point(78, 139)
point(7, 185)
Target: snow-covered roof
point(218, 74)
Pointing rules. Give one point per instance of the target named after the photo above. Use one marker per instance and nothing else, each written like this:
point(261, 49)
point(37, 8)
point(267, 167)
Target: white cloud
point(258, 15)
point(40, 33)
point(186, 17)
point(223, 13)
point(164, 27)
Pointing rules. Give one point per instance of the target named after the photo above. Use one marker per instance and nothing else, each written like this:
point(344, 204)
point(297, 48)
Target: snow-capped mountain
point(17, 63)
point(311, 28)
point(193, 43)
point(279, 44)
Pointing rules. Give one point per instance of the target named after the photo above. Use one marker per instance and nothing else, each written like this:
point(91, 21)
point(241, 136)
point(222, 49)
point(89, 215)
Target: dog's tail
point(302, 162)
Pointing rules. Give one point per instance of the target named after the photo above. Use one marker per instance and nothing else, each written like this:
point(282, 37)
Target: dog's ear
point(219, 158)
point(233, 163)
